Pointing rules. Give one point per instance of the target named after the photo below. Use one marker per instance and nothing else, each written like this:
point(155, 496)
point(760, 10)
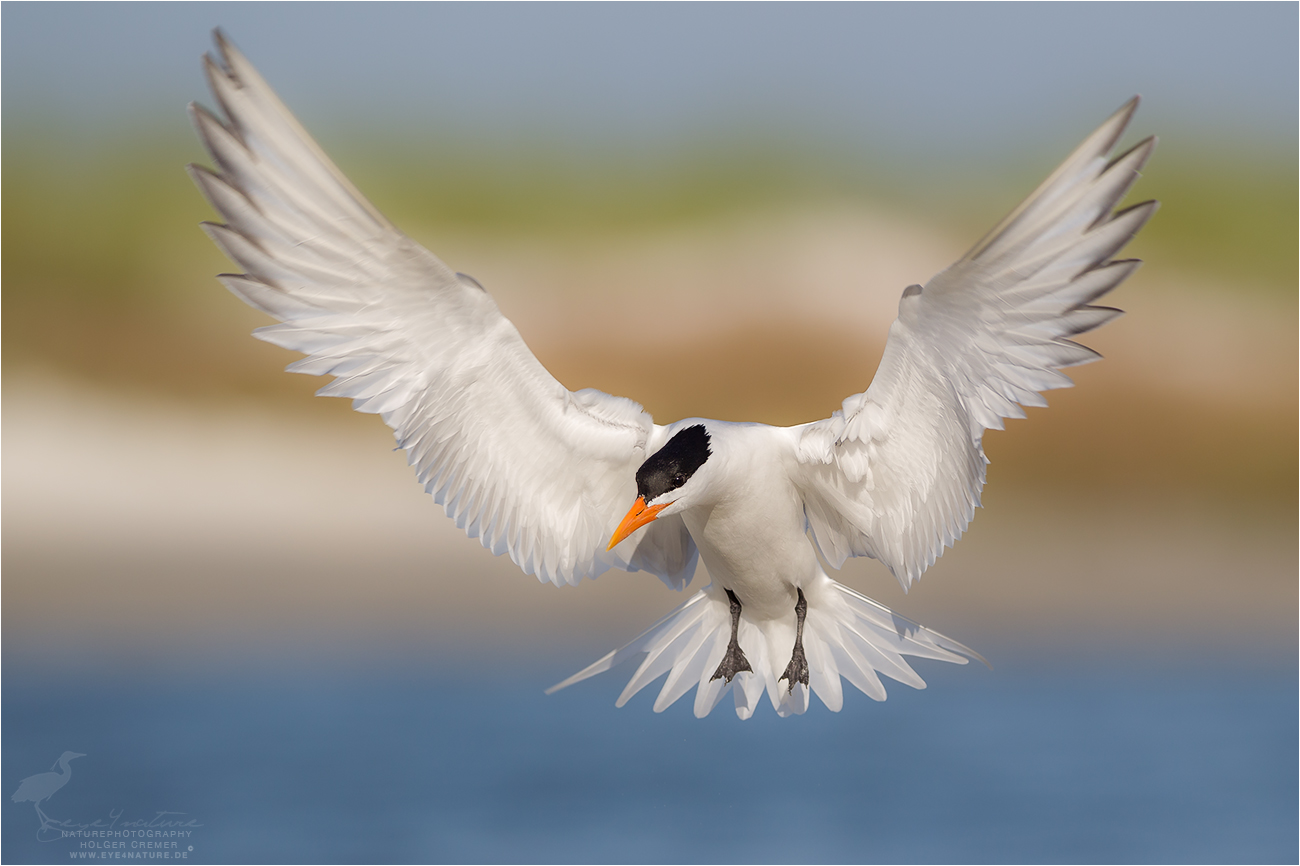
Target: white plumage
point(547, 475)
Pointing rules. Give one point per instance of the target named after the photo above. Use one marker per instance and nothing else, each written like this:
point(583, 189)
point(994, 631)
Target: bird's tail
point(845, 635)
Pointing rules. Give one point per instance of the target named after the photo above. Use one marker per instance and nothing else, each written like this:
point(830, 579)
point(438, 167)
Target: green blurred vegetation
point(107, 277)
point(1232, 216)
point(96, 224)
point(1227, 212)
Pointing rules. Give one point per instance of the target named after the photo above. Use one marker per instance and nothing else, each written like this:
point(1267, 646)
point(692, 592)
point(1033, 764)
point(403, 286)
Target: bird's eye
point(679, 478)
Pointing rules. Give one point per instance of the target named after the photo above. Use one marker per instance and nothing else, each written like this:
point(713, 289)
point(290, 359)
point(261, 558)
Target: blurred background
point(233, 599)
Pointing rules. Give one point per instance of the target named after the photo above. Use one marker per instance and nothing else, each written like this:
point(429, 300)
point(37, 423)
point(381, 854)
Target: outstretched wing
point(897, 472)
point(529, 467)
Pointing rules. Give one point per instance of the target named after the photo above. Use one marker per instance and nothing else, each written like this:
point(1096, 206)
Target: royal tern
point(571, 484)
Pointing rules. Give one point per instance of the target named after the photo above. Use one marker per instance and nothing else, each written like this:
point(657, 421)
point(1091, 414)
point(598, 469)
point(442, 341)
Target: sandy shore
point(132, 518)
point(133, 522)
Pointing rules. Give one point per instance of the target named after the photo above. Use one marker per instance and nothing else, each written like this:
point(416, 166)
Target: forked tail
point(845, 635)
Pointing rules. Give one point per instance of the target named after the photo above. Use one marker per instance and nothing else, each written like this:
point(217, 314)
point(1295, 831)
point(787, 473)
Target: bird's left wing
point(532, 469)
point(897, 472)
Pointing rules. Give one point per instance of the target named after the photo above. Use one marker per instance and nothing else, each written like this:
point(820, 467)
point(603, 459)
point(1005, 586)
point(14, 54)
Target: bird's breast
point(753, 543)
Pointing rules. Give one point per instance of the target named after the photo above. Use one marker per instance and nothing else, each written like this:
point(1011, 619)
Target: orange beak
point(638, 517)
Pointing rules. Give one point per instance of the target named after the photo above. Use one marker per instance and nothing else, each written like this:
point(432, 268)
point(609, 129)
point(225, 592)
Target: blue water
point(397, 762)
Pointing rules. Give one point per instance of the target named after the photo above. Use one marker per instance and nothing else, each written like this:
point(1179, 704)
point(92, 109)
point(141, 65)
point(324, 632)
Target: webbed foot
point(797, 670)
point(734, 661)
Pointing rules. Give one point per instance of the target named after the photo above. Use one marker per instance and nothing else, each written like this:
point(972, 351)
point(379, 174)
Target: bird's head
point(68, 756)
point(669, 482)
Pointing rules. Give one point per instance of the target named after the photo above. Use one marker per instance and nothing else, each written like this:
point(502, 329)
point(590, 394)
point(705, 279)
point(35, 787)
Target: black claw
point(797, 670)
point(734, 661)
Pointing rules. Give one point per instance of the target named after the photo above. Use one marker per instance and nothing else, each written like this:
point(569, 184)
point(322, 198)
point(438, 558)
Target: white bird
point(547, 475)
point(42, 786)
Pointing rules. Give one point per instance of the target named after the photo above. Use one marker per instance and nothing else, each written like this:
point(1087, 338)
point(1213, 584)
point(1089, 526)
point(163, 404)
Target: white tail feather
point(845, 635)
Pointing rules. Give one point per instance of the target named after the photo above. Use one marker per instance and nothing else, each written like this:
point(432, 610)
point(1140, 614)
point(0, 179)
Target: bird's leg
point(734, 661)
point(797, 670)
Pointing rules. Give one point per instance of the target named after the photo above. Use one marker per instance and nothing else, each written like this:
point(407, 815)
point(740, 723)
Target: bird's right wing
point(531, 468)
point(897, 472)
